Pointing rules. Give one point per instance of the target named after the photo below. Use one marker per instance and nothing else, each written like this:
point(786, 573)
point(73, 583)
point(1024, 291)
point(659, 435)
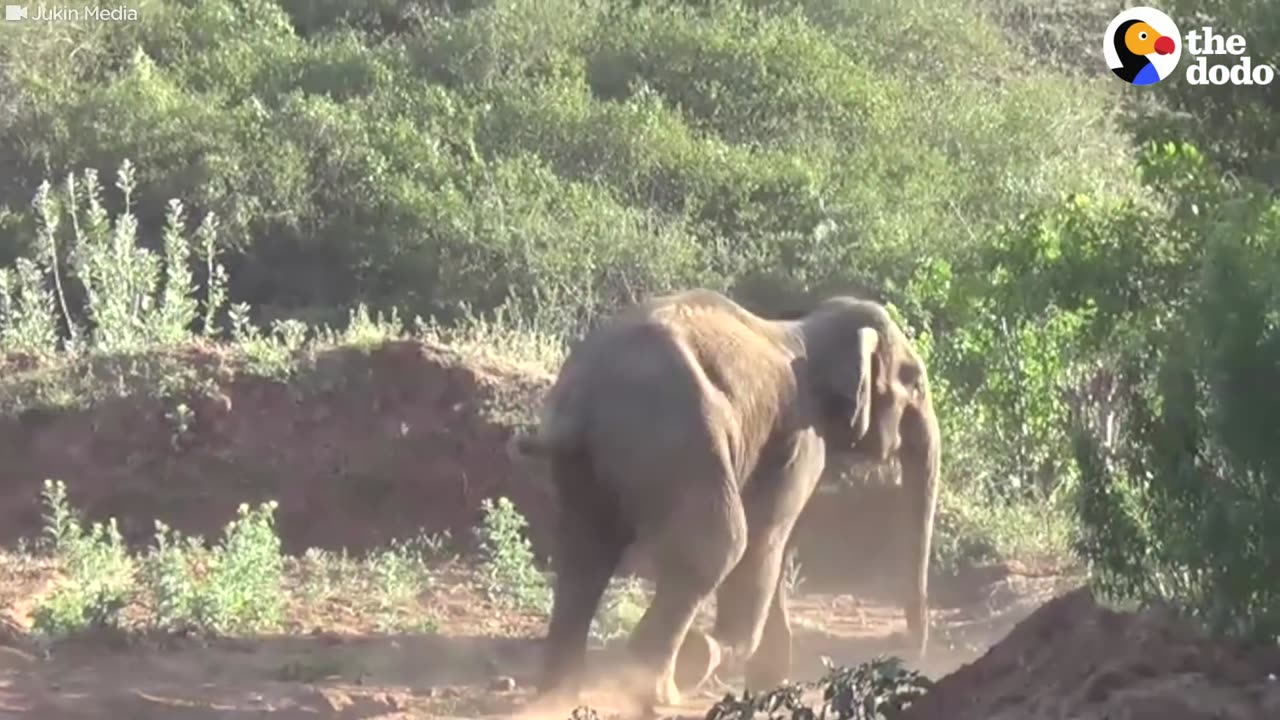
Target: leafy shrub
point(508, 562)
point(874, 690)
point(132, 298)
point(1180, 506)
point(623, 604)
point(1029, 332)
point(433, 154)
point(98, 573)
point(234, 587)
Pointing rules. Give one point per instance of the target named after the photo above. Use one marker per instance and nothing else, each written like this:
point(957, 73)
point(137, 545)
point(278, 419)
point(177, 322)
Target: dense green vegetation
point(1091, 268)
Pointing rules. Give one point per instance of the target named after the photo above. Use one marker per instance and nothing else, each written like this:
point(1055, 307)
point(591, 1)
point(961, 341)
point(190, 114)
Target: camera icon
point(14, 13)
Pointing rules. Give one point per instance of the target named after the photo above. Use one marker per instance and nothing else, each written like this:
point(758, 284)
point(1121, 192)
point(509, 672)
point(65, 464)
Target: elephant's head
point(872, 397)
point(866, 376)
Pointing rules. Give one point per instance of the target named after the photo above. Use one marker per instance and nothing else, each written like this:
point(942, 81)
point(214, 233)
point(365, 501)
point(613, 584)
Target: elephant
point(694, 426)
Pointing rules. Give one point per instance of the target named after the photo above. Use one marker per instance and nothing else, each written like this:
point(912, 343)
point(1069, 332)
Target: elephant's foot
point(667, 691)
point(642, 690)
point(909, 646)
point(551, 703)
point(643, 697)
point(700, 655)
point(766, 673)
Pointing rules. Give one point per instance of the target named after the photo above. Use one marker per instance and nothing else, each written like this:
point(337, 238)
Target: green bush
point(233, 587)
point(507, 561)
point(1180, 505)
point(875, 690)
point(130, 297)
point(97, 570)
point(1031, 328)
point(432, 155)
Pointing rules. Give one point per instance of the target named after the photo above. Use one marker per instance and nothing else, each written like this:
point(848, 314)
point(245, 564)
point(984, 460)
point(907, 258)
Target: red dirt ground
point(377, 445)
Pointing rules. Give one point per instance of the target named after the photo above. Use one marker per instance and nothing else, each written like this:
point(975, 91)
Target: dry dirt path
point(459, 673)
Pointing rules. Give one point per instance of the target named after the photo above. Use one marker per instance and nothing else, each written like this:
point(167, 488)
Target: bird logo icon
point(1142, 46)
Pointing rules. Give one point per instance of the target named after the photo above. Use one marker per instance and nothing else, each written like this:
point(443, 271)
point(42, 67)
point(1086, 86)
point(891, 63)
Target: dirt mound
point(364, 447)
point(1074, 659)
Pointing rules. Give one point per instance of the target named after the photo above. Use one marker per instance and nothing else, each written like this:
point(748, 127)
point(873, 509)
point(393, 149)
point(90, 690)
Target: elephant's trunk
point(920, 457)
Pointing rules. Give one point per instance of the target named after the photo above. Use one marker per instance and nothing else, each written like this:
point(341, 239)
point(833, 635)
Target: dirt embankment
point(1074, 659)
point(368, 446)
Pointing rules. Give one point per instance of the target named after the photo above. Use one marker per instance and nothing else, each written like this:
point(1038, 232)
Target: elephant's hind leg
point(590, 540)
point(703, 538)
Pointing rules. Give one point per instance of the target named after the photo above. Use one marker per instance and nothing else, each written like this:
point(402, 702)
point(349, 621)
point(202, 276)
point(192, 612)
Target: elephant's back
point(678, 373)
point(697, 336)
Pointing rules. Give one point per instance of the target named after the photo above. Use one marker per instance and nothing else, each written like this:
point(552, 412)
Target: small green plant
point(875, 690)
point(508, 335)
point(383, 585)
point(244, 581)
point(98, 574)
point(274, 353)
point(624, 604)
point(436, 547)
point(234, 587)
point(508, 564)
point(180, 418)
point(134, 298)
point(781, 702)
point(169, 573)
point(878, 689)
point(399, 574)
point(365, 329)
point(29, 323)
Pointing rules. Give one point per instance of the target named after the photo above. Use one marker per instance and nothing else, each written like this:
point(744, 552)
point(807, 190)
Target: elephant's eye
point(910, 376)
point(840, 405)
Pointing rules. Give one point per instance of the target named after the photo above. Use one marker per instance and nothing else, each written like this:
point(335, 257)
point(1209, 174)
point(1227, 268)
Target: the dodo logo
point(1142, 46)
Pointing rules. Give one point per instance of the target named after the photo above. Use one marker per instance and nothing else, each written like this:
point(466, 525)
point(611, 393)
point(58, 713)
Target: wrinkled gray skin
point(693, 426)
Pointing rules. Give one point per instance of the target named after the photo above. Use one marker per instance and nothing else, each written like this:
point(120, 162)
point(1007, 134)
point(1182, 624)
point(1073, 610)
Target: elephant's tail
point(544, 442)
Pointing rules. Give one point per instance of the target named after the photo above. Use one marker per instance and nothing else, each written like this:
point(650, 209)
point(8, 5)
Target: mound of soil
point(368, 446)
point(1073, 658)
